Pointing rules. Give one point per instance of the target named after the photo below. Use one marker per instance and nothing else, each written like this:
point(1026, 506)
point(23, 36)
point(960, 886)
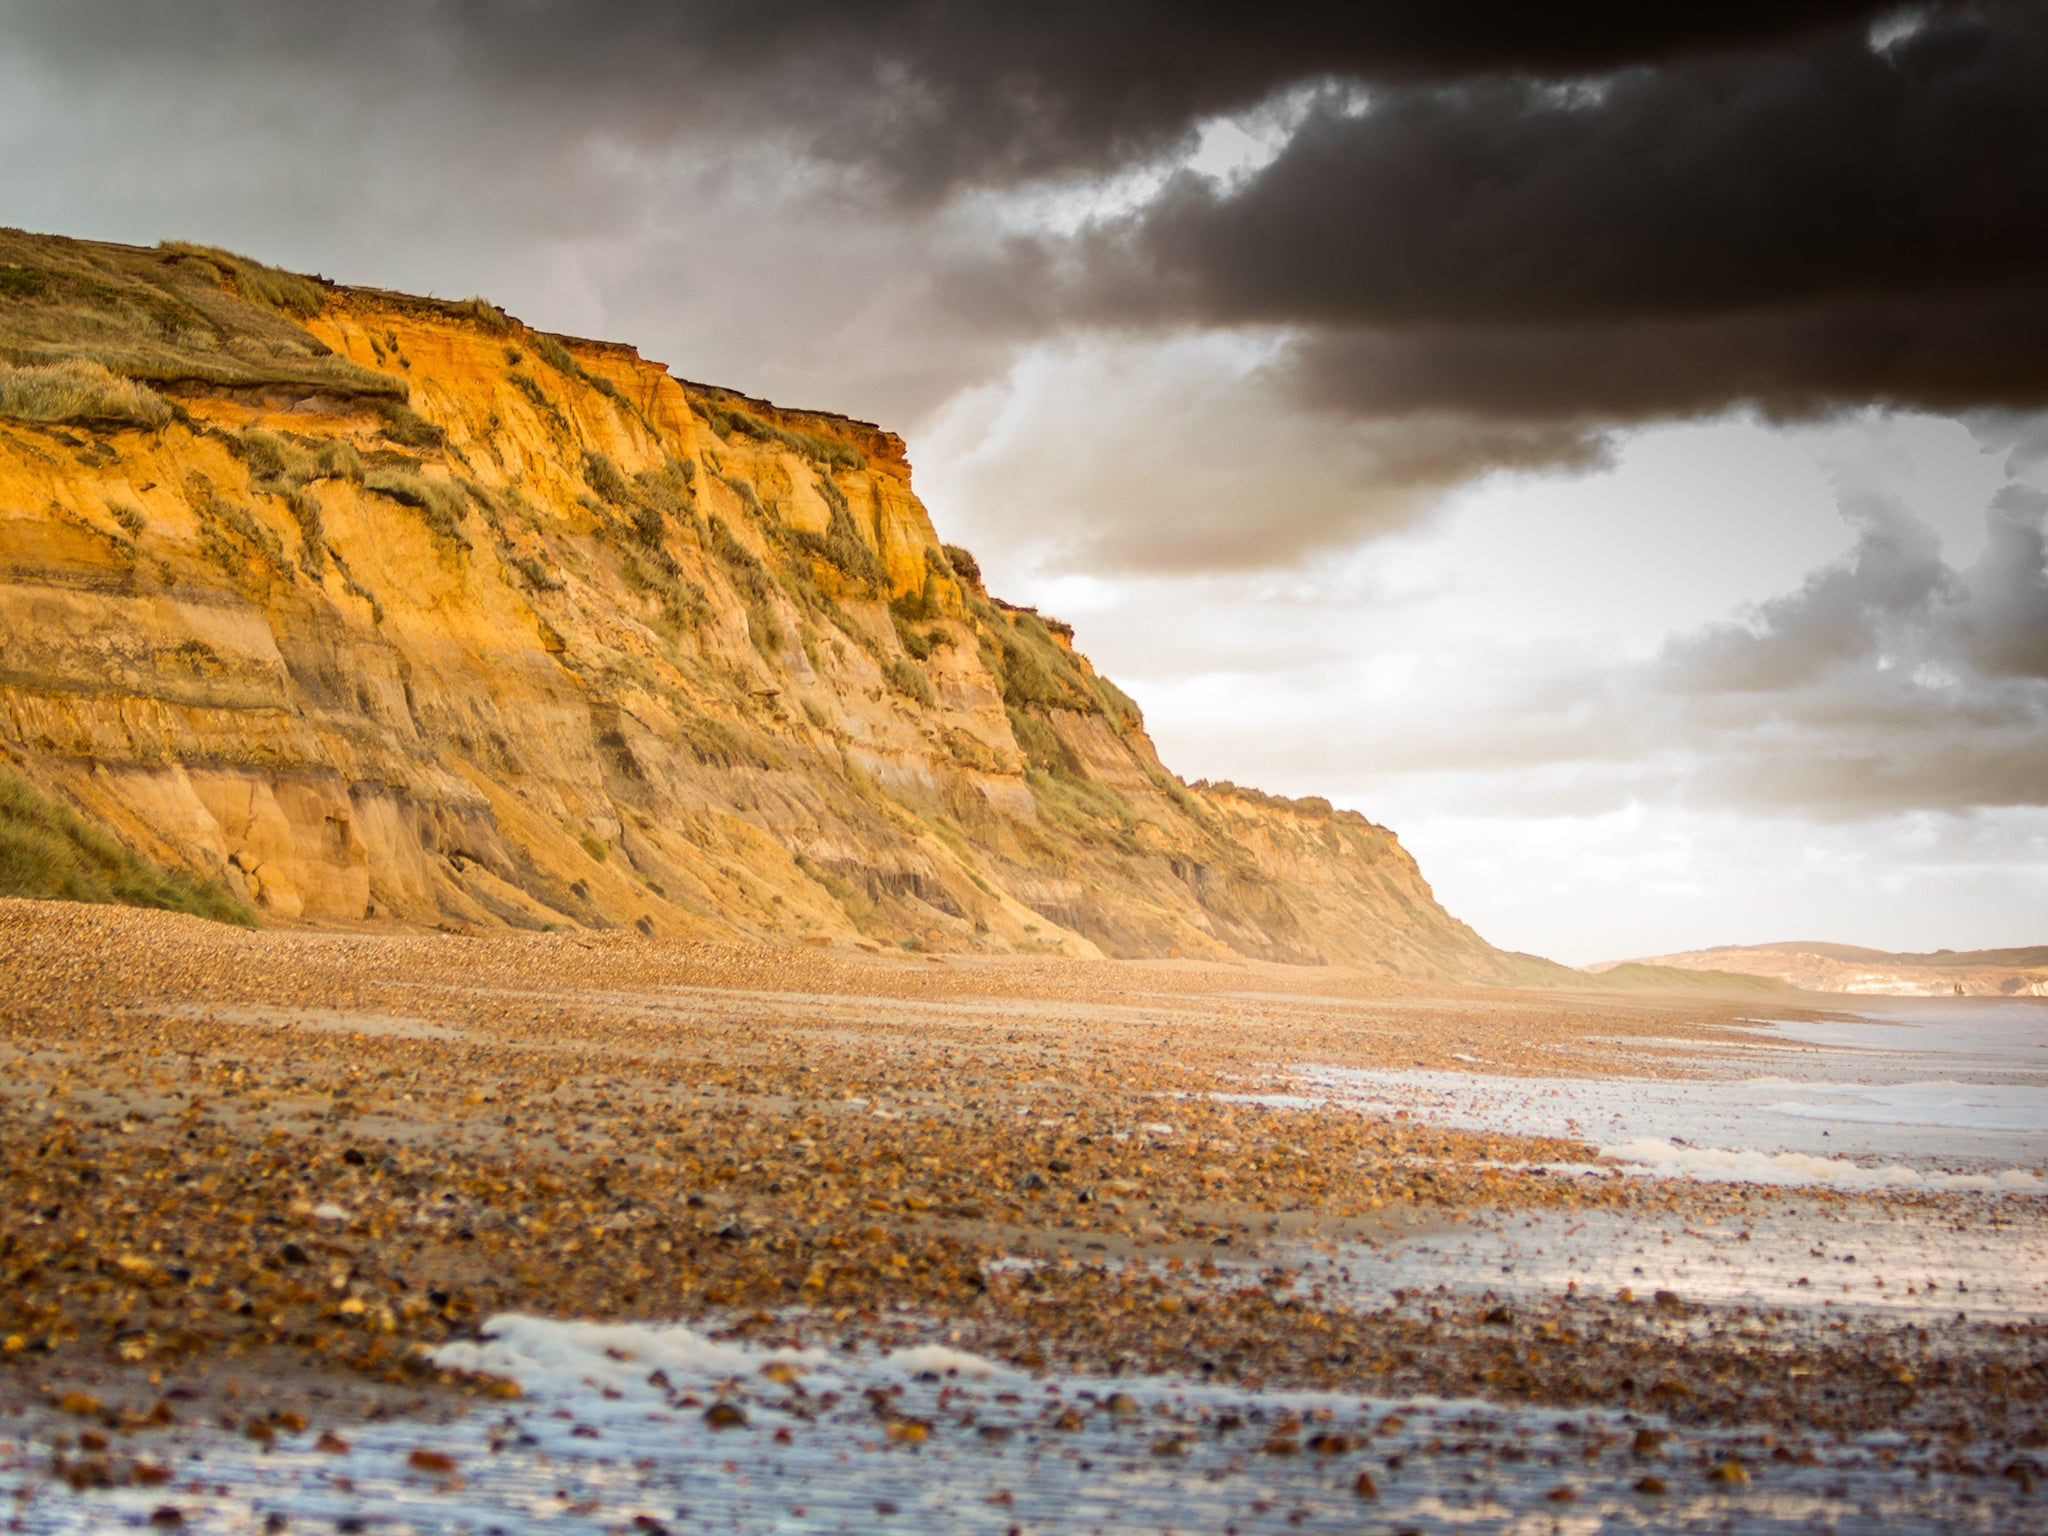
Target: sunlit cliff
point(372, 607)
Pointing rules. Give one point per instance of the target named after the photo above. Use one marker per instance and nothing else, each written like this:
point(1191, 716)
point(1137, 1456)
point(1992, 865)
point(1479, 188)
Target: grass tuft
point(911, 680)
point(534, 571)
point(219, 517)
point(274, 458)
point(79, 391)
point(1041, 745)
point(356, 589)
point(335, 460)
point(963, 564)
point(409, 429)
point(670, 490)
point(605, 478)
point(556, 356)
point(529, 386)
point(293, 461)
point(483, 312)
point(312, 531)
point(441, 507)
point(918, 643)
point(755, 584)
point(841, 543)
point(50, 853)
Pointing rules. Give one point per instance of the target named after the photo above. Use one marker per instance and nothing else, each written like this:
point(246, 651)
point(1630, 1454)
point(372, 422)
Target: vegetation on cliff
point(47, 850)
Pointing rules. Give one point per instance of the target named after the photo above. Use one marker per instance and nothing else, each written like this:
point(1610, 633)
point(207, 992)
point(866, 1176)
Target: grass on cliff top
point(179, 314)
point(286, 292)
point(49, 852)
point(727, 417)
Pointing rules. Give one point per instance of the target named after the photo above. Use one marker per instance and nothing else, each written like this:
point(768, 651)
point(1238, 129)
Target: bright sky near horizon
point(1396, 413)
point(1486, 683)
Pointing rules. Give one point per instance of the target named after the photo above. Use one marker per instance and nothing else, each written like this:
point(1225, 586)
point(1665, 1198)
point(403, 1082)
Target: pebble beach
point(326, 1230)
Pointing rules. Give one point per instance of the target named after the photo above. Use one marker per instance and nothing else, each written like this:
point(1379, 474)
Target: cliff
point(1846, 968)
point(375, 607)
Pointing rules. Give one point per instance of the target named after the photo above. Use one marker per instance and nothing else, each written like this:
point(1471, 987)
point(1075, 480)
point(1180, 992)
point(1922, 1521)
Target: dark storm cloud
point(1714, 185)
point(1802, 227)
point(931, 93)
point(1944, 353)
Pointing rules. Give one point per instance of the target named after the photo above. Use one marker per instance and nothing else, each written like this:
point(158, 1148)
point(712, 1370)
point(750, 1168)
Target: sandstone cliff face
point(563, 640)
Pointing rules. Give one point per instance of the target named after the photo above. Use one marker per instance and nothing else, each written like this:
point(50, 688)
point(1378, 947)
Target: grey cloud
point(1896, 618)
point(1806, 360)
point(2020, 435)
point(1889, 604)
point(2006, 628)
point(1888, 681)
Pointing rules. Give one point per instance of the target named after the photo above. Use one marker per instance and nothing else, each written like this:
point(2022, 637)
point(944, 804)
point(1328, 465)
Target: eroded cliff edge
point(380, 607)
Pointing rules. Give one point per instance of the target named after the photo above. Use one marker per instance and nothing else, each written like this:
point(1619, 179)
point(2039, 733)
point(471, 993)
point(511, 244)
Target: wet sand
point(258, 1180)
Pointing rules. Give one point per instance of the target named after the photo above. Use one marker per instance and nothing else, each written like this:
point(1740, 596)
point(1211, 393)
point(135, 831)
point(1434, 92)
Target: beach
point(330, 1230)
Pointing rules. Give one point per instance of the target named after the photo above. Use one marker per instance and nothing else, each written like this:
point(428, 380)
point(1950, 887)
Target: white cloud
point(1519, 687)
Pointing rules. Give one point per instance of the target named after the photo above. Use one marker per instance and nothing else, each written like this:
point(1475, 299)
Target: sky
point(1606, 443)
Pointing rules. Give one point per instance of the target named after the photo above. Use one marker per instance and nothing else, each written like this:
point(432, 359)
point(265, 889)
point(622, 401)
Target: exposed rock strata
point(564, 640)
